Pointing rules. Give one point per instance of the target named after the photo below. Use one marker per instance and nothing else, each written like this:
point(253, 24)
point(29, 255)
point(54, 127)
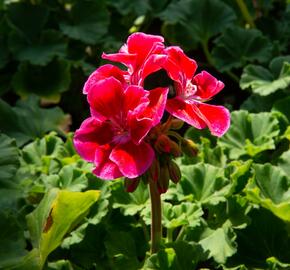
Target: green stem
point(170, 235)
point(207, 54)
point(245, 12)
point(181, 233)
point(211, 61)
point(156, 227)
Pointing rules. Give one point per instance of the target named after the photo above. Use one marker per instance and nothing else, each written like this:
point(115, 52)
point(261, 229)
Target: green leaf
point(191, 15)
point(125, 7)
point(228, 52)
point(264, 238)
point(47, 224)
point(173, 216)
point(250, 134)
point(12, 247)
point(27, 120)
point(50, 44)
point(9, 158)
point(282, 107)
point(4, 52)
point(69, 178)
point(264, 81)
point(203, 183)
point(27, 19)
point(284, 162)
point(270, 188)
point(45, 81)
point(176, 256)
point(88, 21)
point(97, 212)
point(130, 203)
point(122, 251)
point(256, 103)
point(175, 12)
point(220, 243)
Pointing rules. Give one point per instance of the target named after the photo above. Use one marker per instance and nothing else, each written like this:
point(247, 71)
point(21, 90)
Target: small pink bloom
point(139, 54)
point(113, 137)
point(191, 93)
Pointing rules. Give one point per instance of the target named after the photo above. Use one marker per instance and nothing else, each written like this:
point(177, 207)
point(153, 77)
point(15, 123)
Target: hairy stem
point(156, 227)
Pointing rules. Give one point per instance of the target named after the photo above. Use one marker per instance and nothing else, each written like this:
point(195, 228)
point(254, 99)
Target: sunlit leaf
point(284, 162)
point(263, 81)
point(176, 256)
point(220, 243)
point(203, 183)
point(55, 216)
point(130, 203)
point(270, 188)
point(250, 134)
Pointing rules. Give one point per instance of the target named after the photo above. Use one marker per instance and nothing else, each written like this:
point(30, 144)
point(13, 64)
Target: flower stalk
point(156, 225)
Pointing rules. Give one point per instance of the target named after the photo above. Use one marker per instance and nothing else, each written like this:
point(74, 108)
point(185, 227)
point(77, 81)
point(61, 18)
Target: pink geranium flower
point(122, 115)
point(139, 55)
point(192, 92)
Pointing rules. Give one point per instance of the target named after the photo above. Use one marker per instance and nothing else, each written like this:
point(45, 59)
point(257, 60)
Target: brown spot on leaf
point(49, 222)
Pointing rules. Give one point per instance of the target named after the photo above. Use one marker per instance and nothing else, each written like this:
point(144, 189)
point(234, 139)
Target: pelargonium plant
point(135, 114)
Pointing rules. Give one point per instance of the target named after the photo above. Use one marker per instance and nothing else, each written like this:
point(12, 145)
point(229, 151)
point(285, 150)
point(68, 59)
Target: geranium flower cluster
point(124, 133)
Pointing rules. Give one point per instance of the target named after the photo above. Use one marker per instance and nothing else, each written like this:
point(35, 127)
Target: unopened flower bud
point(175, 149)
point(176, 124)
point(131, 184)
point(154, 170)
point(163, 181)
point(189, 147)
point(162, 144)
point(174, 171)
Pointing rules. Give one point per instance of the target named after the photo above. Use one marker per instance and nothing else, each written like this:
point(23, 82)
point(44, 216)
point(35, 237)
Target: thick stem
point(156, 227)
point(245, 12)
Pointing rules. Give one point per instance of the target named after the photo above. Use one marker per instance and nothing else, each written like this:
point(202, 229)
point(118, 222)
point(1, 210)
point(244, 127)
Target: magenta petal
point(105, 168)
point(101, 73)
point(186, 112)
point(90, 135)
point(217, 118)
point(133, 160)
point(134, 97)
point(139, 128)
point(179, 65)
point(106, 97)
point(124, 58)
point(158, 99)
point(207, 85)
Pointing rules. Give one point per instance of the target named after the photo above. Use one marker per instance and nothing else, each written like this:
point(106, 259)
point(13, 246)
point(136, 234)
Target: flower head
point(121, 116)
point(192, 91)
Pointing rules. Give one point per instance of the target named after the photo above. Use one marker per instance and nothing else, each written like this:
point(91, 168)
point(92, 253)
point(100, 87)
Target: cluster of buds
point(168, 145)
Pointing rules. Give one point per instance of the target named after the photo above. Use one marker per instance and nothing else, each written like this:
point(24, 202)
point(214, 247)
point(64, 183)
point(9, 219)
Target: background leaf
point(228, 52)
point(88, 21)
